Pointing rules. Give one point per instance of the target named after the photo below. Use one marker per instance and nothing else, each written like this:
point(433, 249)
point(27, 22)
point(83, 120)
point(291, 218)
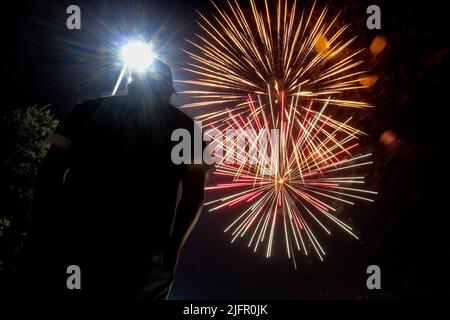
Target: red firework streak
point(294, 187)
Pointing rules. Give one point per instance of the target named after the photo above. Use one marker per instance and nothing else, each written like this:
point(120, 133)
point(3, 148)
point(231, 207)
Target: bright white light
point(137, 55)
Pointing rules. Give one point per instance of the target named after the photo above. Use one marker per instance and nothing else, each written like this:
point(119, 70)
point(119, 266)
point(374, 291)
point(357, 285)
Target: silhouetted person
point(110, 200)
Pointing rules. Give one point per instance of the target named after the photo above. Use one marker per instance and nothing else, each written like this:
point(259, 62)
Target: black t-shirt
point(119, 195)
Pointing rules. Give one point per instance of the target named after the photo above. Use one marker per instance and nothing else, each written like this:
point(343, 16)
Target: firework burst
point(309, 168)
point(271, 75)
point(266, 53)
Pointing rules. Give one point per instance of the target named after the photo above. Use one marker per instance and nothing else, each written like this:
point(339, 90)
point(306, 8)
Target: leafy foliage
point(23, 140)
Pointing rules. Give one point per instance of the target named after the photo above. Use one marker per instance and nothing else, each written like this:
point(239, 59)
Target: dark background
point(404, 231)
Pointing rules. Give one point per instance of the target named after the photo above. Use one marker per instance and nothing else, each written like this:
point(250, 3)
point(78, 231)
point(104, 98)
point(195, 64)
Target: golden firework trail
point(309, 169)
point(269, 50)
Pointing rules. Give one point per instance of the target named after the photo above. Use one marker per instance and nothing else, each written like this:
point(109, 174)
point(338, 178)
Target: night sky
point(404, 231)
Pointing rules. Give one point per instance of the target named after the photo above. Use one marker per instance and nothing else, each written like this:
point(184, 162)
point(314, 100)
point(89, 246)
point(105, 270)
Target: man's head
point(154, 83)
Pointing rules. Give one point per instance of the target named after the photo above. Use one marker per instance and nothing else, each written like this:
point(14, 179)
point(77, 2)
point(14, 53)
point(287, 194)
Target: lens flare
point(137, 55)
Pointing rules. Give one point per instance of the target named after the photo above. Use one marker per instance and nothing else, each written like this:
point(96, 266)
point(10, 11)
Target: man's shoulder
point(96, 103)
point(106, 99)
point(181, 113)
point(180, 118)
point(168, 114)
